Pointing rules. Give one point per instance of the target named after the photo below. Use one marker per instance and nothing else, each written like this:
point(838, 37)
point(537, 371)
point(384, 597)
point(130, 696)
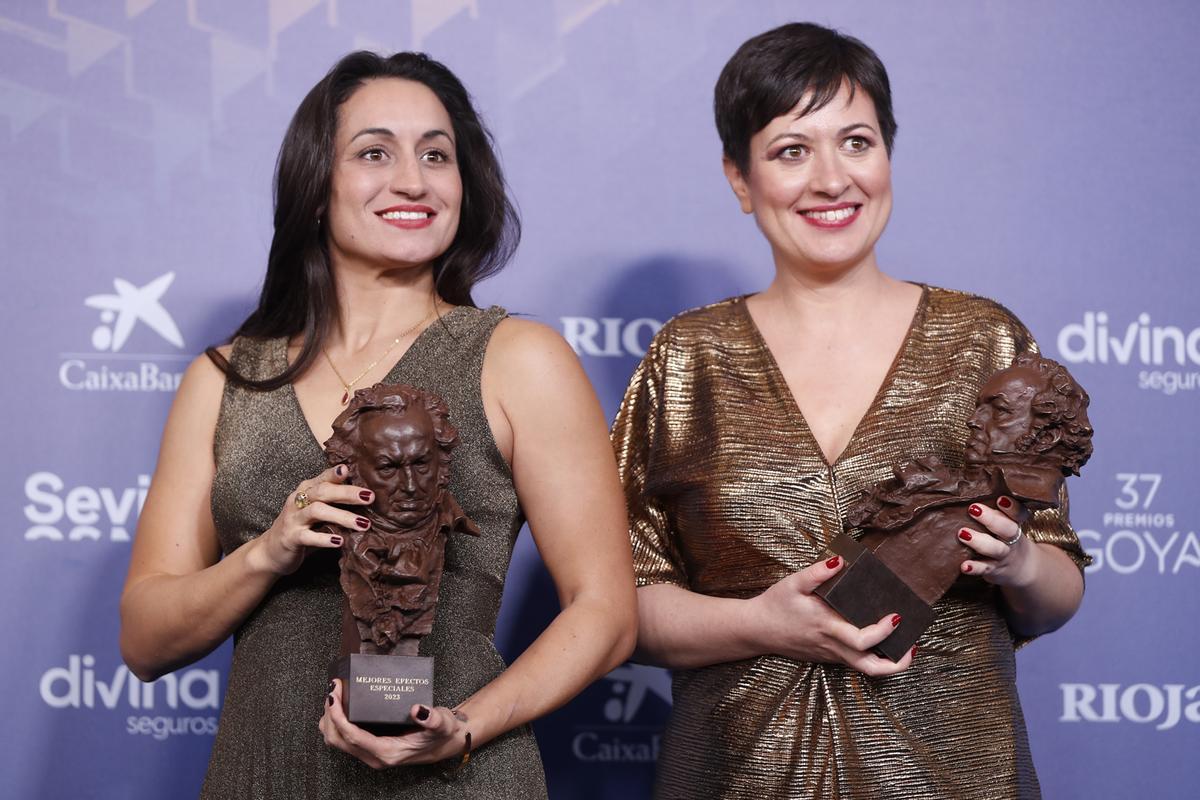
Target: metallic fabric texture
point(268, 745)
point(728, 493)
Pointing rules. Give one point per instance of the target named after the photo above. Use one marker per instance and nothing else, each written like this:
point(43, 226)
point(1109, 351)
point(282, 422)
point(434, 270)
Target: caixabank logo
point(181, 703)
point(123, 313)
point(57, 512)
point(1169, 355)
point(1140, 533)
point(628, 732)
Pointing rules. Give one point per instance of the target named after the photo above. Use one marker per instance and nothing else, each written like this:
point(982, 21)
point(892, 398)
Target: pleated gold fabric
point(729, 493)
point(268, 746)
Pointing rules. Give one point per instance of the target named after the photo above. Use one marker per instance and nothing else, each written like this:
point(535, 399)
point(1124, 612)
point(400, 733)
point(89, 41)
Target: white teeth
point(405, 215)
point(831, 216)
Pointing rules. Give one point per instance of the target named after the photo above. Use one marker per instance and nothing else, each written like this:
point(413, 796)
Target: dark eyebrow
point(374, 132)
point(803, 137)
point(387, 134)
point(849, 128)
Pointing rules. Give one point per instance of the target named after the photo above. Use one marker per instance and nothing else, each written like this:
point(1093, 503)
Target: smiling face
point(396, 190)
point(399, 459)
point(820, 185)
point(1003, 416)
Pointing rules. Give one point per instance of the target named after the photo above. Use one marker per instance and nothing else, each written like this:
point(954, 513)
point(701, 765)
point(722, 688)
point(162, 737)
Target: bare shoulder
point(193, 417)
point(202, 381)
point(524, 349)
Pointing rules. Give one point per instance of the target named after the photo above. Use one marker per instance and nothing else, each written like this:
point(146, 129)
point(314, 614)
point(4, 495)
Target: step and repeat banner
point(1046, 158)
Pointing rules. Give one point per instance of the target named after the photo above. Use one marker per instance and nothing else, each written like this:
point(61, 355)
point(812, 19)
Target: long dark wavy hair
point(299, 297)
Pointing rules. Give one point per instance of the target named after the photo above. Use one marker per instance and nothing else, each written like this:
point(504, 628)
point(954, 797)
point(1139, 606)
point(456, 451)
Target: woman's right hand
point(282, 548)
point(793, 622)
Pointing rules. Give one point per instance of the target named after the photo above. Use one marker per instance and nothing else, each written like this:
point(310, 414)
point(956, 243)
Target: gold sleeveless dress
point(728, 493)
point(267, 745)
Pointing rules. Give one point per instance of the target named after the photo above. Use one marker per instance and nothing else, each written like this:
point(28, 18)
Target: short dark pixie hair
point(770, 74)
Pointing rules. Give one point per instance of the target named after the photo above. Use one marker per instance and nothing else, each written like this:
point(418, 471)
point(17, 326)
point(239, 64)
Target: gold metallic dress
point(729, 492)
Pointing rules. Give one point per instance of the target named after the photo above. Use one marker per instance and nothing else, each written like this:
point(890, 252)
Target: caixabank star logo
point(122, 314)
point(630, 727)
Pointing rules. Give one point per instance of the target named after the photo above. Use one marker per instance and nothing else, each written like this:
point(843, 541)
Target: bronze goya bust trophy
point(1029, 431)
point(395, 440)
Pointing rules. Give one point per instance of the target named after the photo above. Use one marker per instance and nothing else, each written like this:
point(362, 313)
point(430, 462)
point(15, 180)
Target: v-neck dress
point(267, 745)
point(729, 492)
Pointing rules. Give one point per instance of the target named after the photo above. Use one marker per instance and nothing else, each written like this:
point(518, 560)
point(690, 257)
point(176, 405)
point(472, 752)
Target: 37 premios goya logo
point(122, 313)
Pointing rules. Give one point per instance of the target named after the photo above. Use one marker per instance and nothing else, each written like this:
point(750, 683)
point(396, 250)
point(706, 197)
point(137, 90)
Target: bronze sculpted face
point(1029, 430)
point(1033, 413)
point(398, 458)
point(396, 441)
point(1002, 417)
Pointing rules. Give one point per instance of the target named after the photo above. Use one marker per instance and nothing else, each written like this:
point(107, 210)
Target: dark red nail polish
point(967, 568)
point(422, 713)
point(329, 700)
point(914, 651)
point(895, 620)
point(330, 689)
point(335, 540)
point(975, 511)
point(340, 470)
point(965, 535)
point(833, 562)
point(365, 496)
point(1004, 502)
point(362, 522)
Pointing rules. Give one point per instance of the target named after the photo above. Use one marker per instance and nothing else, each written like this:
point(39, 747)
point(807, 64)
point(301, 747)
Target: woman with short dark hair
point(754, 423)
point(389, 206)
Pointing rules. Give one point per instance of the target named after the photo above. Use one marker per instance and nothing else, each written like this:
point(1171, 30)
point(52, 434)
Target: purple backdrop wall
point(1046, 158)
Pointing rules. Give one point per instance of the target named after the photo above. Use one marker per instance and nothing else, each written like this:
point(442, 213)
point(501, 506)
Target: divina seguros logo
point(79, 686)
point(1097, 340)
point(108, 369)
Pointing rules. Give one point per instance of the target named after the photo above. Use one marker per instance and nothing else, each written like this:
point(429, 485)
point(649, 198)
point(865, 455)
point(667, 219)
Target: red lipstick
point(402, 216)
point(819, 222)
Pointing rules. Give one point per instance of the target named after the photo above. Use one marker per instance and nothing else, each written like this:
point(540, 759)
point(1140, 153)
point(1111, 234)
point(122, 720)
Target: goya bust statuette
point(1029, 431)
point(395, 440)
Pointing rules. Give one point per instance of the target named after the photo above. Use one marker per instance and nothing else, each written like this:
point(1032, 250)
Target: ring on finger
point(1015, 539)
point(302, 501)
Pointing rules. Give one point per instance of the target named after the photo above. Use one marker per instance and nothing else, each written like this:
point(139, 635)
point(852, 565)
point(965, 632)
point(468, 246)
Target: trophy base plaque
point(866, 589)
point(379, 691)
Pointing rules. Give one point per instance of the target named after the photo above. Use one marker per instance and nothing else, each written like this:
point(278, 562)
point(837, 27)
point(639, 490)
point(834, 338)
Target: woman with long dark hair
point(389, 207)
point(752, 426)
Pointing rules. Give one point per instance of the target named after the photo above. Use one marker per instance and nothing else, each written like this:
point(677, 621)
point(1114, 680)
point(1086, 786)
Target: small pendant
point(345, 397)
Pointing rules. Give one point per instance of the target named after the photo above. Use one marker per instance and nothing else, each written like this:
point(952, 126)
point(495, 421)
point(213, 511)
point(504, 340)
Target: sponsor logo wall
point(137, 142)
point(110, 370)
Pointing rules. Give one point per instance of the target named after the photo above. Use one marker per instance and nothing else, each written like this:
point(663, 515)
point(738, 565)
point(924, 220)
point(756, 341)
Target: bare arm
point(1042, 587)
point(681, 629)
point(180, 601)
point(547, 420)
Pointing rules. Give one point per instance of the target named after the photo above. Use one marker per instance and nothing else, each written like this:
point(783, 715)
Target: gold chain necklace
point(349, 385)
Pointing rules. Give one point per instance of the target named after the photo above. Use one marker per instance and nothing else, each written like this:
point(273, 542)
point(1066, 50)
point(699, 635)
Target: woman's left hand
point(1004, 555)
point(442, 734)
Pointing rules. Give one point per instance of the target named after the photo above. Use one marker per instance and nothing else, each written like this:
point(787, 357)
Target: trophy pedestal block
point(866, 589)
point(379, 691)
